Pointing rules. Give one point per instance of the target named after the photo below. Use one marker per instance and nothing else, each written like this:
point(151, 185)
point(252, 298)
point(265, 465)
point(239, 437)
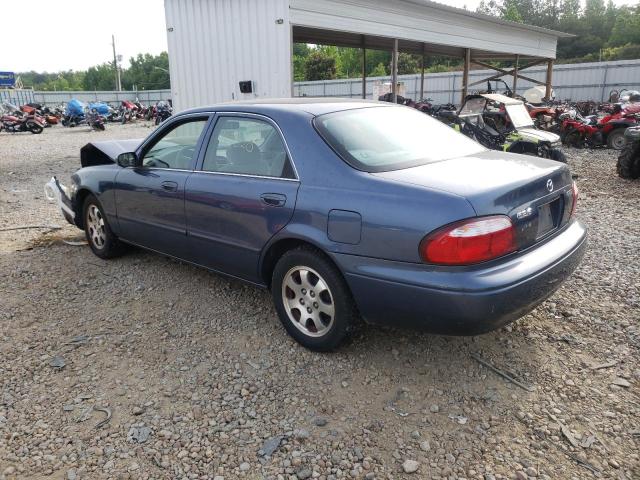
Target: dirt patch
point(199, 374)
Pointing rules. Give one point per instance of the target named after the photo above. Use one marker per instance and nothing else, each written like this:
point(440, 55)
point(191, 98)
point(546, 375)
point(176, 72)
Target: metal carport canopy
point(417, 24)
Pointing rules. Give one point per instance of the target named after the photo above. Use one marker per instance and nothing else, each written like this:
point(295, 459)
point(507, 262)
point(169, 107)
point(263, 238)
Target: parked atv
point(629, 159)
point(502, 123)
point(590, 132)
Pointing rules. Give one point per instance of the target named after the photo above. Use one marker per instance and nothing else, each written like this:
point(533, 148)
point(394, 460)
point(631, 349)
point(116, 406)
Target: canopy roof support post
point(549, 80)
point(394, 71)
point(364, 68)
point(465, 73)
point(422, 76)
point(515, 75)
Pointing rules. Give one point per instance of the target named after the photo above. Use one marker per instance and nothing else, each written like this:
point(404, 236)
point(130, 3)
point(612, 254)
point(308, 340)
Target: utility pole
point(115, 64)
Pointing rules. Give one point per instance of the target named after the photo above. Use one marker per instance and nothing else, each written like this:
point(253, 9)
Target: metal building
point(222, 50)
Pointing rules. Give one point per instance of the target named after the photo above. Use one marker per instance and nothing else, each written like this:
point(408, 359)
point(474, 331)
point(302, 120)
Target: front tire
point(615, 139)
point(628, 165)
point(312, 299)
point(35, 129)
point(557, 155)
point(101, 239)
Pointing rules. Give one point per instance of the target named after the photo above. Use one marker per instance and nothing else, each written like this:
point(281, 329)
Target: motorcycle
point(94, 119)
point(589, 132)
point(14, 121)
point(628, 165)
point(127, 112)
point(74, 114)
point(162, 111)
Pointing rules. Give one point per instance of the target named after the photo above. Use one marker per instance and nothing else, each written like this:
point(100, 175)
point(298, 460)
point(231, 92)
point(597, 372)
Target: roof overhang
point(420, 26)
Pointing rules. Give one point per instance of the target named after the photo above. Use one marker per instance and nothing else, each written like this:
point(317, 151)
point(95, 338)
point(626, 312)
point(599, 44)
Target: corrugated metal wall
point(579, 81)
point(213, 45)
point(16, 96)
point(147, 97)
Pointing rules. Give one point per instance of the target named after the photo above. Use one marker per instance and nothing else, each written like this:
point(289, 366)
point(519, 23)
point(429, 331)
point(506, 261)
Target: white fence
point(16, 97)
point(146, 97)
point(578, 81)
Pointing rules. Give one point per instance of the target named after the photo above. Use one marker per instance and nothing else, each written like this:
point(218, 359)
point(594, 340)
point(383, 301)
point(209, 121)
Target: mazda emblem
point(550, 185)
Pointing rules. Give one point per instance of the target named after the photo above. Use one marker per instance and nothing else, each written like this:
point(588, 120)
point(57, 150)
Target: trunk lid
point(535, 192)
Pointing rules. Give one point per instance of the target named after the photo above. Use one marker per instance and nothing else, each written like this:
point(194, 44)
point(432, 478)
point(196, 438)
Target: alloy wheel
point(308, 301)
point(96, 226)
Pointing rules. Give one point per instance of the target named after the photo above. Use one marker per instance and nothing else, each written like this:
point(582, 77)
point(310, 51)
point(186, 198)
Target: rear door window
point(247, 146)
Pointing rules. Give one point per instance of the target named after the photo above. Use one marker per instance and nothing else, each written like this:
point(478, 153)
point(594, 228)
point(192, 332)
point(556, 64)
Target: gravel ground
point(200, 381)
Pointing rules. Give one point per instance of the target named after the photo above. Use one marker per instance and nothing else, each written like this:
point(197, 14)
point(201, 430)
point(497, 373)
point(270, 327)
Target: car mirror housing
point(128, 159)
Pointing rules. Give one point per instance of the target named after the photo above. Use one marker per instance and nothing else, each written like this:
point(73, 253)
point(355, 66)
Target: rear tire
point(615, 139)
point(101, 239)
point(35, 129)
point(573, 139)
point(628, 165)
point(312, 299)
point(557, 155)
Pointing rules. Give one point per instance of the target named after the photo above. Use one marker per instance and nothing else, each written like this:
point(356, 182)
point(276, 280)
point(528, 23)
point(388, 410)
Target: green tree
point(510, 11)
point(320, 66)
point(300, 53)
point(378, 71)
point(147, 72)
point(408, 63)
point(626, 29)
point(100, 77)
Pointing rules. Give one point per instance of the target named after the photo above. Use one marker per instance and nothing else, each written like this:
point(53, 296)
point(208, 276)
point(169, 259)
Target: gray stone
point(139, 434)
point(410, 466)
point(270, 445)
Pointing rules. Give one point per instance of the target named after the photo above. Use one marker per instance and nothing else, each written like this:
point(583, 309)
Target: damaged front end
point(99, 167)
point(63, 196)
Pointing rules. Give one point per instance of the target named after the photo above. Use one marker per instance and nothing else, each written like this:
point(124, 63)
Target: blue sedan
point(345, 210)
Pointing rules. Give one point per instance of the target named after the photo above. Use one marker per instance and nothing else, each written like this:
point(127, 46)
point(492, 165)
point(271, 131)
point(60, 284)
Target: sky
point(54, 35)
point(76, 34)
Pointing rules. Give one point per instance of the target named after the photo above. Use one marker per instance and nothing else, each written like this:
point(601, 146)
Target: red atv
point(580, 132)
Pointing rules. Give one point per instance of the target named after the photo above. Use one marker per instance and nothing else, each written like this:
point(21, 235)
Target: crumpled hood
point(106, 152)
point(539, 135)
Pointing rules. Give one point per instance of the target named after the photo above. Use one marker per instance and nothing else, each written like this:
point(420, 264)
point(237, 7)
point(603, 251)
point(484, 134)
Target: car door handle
point(169, 186)
point(273, 199)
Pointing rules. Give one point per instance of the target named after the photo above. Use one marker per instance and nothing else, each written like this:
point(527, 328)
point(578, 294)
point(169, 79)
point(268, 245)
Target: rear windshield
point(380, 139)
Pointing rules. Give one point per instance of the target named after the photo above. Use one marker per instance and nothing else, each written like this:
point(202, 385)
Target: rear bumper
point(462, 300)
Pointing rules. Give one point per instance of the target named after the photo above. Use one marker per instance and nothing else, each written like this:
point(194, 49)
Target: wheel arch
point(279, 247)
point(78, 204)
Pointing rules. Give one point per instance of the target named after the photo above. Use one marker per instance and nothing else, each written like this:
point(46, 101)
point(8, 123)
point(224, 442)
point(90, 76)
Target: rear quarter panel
point(395, 216)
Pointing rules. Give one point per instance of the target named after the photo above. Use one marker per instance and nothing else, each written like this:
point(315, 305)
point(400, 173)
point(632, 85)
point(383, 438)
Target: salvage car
point(345, 210)
point(503, 123)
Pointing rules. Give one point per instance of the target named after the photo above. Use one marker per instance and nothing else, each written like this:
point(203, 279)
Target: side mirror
point(129, 159)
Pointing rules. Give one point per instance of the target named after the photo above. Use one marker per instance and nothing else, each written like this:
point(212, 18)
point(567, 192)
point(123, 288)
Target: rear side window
point(247, 146)
point(379, 139)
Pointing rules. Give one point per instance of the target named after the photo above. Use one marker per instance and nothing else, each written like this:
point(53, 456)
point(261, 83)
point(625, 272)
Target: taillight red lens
point(576, 193)
point(470, 241)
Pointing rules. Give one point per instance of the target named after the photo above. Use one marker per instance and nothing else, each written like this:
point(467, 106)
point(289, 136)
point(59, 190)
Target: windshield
point(380, 139)
point(519, 115)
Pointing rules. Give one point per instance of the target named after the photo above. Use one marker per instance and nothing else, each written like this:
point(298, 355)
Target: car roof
point(303, 105)
point(496, 97)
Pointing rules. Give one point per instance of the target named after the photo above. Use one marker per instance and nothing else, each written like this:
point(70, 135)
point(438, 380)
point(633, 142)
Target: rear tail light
point(574, 204)
point(470, 241)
